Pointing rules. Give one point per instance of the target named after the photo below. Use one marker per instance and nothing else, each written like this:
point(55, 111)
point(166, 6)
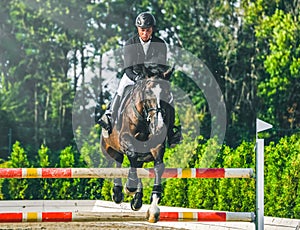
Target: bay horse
point(140, 132)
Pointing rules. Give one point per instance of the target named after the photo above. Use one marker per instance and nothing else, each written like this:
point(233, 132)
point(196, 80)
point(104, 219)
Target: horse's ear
point(167, 75)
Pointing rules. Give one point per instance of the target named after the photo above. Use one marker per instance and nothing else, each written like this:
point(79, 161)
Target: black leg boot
point(107, 120)
point(174, 132)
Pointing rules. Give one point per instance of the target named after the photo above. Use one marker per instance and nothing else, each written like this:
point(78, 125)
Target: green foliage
point(18, 189)
point(90, 149)
point(107, 189)
point(282, 177)
point(229, 189)
point(66, 188)
point(43, 186)
point(44, 156)
point(67, 158)
point(50, 49)
point(175, 193)
point(237, 195)
point(280, 30)
point(181, 155)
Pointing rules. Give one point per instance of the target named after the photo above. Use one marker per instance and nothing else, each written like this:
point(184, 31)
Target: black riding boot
point(174, 132)
point(106, 122)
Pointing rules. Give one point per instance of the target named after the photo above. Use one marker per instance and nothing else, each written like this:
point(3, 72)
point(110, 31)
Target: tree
point(276, 29)
point(282, 63)
point(215, 33)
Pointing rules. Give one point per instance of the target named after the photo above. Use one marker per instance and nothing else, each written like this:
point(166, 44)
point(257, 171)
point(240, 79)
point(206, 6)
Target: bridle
point(146, 115)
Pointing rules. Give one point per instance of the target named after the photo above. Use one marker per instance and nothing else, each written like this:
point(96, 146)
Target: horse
point(140, 132)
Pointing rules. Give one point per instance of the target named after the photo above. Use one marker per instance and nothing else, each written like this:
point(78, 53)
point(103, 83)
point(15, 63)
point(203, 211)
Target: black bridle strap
point(139, 116)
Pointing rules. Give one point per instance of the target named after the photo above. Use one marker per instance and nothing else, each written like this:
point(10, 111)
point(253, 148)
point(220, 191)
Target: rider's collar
point(144, 43)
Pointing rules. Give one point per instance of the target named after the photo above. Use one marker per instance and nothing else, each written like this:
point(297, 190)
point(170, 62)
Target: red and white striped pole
point(123, 173)
point(8, 217)
point(207, 216)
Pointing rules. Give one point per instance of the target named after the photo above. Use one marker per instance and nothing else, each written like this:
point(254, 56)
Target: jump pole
point(123, 173)
point(9, 217)
point(258, 216)
point(259, 220)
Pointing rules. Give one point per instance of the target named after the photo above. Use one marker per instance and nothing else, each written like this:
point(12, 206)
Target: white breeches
point(125, 81)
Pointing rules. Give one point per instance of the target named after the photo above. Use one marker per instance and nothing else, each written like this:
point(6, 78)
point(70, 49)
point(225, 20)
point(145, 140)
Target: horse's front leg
point(159, 168)
point(134, 184)
point(153, 212)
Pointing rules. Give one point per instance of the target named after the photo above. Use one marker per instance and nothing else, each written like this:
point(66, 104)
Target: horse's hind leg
point(118, 195)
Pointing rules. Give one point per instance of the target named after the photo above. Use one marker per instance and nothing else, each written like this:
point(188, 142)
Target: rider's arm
point(131, 59)
point(129, 72)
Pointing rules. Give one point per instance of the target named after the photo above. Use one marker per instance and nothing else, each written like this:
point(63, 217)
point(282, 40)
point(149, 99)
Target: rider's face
point(145, 33)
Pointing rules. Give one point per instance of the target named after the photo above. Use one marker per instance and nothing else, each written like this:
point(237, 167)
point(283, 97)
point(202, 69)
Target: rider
point(140, 51)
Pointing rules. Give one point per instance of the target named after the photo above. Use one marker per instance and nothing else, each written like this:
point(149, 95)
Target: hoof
point(152, 216)
point(137, 201)
point(153, 213)
point(118, 195)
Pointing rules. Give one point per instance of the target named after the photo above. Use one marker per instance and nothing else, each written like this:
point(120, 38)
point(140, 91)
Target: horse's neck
point(137, 100)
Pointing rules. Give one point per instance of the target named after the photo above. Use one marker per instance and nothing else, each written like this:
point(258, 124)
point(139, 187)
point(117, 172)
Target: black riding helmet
point(145, 20)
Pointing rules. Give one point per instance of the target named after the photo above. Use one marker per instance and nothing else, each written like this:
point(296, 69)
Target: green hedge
point(282, 191)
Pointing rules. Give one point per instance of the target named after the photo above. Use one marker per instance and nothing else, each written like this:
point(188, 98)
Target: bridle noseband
point(148, 115)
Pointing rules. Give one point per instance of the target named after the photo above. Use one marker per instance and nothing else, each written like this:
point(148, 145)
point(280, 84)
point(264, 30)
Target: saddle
point(116, 115)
